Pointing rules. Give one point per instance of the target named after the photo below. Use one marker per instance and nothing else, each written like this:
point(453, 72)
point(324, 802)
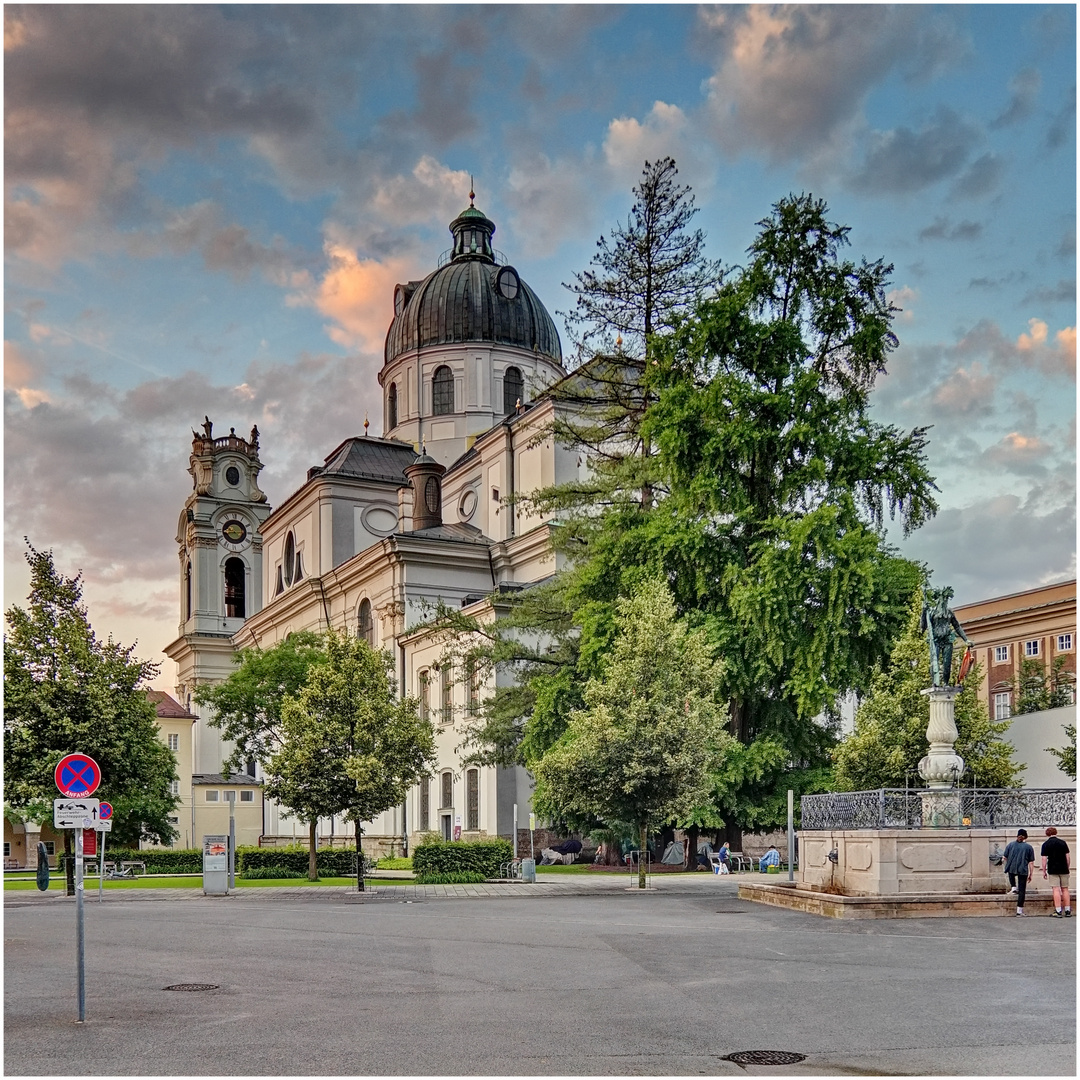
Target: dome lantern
point(472, 230)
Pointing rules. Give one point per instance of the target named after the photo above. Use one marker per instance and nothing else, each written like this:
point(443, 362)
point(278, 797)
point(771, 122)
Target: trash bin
point(528, 870)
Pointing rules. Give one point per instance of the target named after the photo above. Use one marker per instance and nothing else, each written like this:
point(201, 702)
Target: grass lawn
point(56, 884)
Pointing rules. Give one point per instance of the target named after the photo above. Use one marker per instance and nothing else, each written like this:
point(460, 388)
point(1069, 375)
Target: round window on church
point(431, 495)
point(232, 476)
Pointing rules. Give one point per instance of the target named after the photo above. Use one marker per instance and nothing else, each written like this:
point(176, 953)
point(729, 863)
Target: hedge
point(461, 877)
point(330, 862)
point(271, 873)
point(484, 857)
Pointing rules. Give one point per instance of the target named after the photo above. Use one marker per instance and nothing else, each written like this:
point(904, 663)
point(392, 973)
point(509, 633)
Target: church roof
point(366, 458)
point(456, 531)
point(462, 302)
point(167, 707)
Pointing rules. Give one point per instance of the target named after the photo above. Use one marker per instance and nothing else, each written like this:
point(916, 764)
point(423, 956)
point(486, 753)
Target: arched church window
point(391, 406)
point(442, 391)
point(289, 559)
point(187, 592)
point(234, 588)
point(365, 628)
point(513, 389)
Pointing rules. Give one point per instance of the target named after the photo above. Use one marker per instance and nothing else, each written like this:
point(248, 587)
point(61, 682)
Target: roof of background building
point(214, 779)
point(167, 707)
point(365, 457)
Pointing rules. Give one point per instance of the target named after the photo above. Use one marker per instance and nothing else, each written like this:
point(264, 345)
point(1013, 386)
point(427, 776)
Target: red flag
point(965, 665)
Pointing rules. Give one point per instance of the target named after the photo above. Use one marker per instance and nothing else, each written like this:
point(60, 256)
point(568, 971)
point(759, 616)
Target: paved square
point(582, 978)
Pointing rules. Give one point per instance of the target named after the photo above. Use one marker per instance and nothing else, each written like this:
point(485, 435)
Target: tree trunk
point(359, 859)
point(69, 862)
point(313, 839)
point(641, 856)
point(733, 835)
point(691, 848)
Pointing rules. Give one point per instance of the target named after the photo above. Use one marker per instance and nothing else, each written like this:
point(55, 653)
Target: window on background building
point(1064, 642)
point(247, 796)
point(442, 391)
point(174, 821)
point(174, 787)
point(424, 681)
point(365, 627)
point(7, 849)
point(425, 804)
point(50, 847)
point(213, 796)
point(447, 712)
point(513, 389)
point(279, 588)
point(234, 588)
point(1002, 707)
point(1031, 648)
point(187, 591)
point(230, 796)
point(447, 790)
point(288, 562)
point(472, 687)
point(174, 742)
point(391, 406)
point(472, 800)
point(1001, 654)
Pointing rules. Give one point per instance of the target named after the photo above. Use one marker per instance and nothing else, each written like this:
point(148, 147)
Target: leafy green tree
point(1066, 755)
point(247, 706)
point(890, 725)
point(66, 691)
point(1034, 689)
point(348, 745)
point(642, 747)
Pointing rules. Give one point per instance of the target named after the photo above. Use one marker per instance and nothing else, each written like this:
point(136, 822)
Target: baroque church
point(387, 527)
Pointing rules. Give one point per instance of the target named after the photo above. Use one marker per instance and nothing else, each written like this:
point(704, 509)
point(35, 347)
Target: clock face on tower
point(234, 533)
point(431, 495)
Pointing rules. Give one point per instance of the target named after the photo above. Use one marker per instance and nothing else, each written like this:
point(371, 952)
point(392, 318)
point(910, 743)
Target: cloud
point(999, 545)
point(790, 77)
point(902, 161)
point(903, 298)
point(431, 194)
point(552, 199)
point(1056, 357)
point(666, 131)
point(980, 178)
point(1024, 90)
point(1064, 122)
point(21, 373)
point(965, 392)
point(943, 229)
point(1063, 292)
point(1066, 248)
point(357, 294)
point(1019, 453)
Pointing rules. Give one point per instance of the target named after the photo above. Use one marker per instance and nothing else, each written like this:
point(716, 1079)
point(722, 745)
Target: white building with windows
point(386, 527)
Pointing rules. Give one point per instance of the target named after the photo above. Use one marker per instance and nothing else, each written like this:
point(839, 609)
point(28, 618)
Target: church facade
point(386, 528)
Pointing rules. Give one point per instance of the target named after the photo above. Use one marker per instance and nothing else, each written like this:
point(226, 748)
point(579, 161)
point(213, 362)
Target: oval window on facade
point(289, 559)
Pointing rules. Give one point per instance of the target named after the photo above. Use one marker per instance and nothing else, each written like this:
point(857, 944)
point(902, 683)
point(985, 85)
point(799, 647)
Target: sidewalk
point(569, 885)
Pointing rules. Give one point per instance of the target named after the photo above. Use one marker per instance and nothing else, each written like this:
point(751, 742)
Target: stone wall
point(893, 862)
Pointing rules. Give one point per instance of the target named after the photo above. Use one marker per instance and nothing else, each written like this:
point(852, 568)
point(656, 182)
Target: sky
point(207, 209)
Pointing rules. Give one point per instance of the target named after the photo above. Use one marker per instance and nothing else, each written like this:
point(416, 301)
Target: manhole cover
point(764, 1057)
point(193, 986)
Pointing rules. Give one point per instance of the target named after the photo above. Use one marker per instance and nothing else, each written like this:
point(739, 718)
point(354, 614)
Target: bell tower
point(220, 553)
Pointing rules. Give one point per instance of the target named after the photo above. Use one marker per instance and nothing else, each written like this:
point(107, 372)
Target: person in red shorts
point(1055, 867)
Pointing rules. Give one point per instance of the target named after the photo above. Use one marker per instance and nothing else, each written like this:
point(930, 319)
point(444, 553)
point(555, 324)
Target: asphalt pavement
point(586, 979)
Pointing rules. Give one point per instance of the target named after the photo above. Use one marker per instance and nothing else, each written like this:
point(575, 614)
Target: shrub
point(392, 863)
point(460, 877)
point(483, 857)
point(164, 861)
point(331, 862)
point(270, 872)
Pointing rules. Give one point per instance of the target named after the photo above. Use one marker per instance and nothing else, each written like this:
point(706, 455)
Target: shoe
point(1056, 915)
point(1020, 914)
point(1068, 913)
point(1013, 889)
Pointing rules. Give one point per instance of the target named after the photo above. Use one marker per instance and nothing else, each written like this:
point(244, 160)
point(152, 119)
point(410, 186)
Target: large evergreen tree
point(890, 725)
point(642, 748)
point(769, 487)
point(66, 691)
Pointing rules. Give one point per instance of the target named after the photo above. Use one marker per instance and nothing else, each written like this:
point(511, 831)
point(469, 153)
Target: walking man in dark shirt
point(1019, 864)
point(1055, 867)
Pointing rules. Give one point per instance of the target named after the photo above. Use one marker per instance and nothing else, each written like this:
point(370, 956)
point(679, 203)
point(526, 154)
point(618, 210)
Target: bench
point(130, 867)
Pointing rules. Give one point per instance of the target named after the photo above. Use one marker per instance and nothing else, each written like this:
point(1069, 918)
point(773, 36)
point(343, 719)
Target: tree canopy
point(66, 691)
point(642, 747)
point(348, 745)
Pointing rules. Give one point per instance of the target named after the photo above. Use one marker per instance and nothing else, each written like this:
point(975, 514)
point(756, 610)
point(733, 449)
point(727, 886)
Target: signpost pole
point(232, 841)
point(515, 830)
point(101, 866)
point(79, 923)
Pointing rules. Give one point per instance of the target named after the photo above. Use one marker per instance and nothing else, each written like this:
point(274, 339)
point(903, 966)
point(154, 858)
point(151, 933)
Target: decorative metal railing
point(911, 808)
